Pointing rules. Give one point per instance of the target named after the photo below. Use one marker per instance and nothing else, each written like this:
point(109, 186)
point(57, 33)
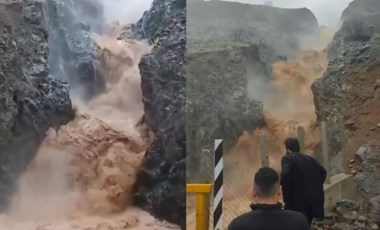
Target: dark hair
point(265, 182)
point(293, 145)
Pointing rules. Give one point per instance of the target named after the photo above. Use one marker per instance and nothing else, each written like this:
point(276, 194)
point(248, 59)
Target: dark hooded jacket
point(269, 217)
point(302, 179)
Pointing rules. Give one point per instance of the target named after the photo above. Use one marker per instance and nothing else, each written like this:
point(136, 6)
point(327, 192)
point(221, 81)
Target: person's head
point(292, 145)
point(266, 188)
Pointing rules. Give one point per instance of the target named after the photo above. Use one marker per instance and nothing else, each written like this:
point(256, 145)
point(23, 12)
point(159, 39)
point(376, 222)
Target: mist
point(326, 11)
point(125, 11)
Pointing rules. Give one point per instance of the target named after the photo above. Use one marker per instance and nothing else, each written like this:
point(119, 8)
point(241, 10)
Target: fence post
point(301, 137)
point(218, 184)
point(202, 204)
point(343, 143)
point(325, 150)
point(264, 153)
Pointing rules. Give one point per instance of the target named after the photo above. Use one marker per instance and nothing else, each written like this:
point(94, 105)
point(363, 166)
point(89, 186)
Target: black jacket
point(302, 180)
point(269, 217)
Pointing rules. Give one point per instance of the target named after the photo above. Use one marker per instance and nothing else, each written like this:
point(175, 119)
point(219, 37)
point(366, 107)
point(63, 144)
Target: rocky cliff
point(231, 48)
point(350, 87)
point(277, 31)
point(31, 100)
point(74, 53)
point(163, 77)
point(218, 104)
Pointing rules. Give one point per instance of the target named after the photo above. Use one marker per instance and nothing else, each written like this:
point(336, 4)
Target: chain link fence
point(240, 164)
point(205, 174)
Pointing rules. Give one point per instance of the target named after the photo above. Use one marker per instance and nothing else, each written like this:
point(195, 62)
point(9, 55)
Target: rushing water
point(83, 175)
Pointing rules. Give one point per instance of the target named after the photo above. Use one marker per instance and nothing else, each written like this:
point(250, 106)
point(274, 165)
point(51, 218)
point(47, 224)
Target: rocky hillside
point(163, 75)
point(231, 48)
point(31, 100)
point(73, 55)
point(219, 105)
point(351, 87)
point(277, 31)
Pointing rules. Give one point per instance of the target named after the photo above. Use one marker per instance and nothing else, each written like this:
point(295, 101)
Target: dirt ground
point(133, 219)
point(363, 109)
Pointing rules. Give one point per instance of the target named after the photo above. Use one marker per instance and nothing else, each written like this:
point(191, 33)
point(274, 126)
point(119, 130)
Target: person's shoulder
point(241, 221)
point(312, 159)
point(287, 158)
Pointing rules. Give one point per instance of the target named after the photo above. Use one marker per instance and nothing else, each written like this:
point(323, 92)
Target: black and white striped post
point(218, 184)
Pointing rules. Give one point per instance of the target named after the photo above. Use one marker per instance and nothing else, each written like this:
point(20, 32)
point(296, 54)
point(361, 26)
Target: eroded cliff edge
point(350, 88)
point(31, 100)
point(161, 182)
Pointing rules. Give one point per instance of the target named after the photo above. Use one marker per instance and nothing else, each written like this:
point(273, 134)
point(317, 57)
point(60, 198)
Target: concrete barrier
point(341, 186)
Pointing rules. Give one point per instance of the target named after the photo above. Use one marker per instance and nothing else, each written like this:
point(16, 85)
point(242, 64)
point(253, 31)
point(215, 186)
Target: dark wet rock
point(31, 100)
point(362, 153)
point(368, 177)
point(375, 213)
point(73, 48)
point(161, 182)
point(219, 104)
point(348, 205)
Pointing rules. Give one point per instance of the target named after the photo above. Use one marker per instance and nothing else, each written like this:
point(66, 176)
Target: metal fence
point(240, 165)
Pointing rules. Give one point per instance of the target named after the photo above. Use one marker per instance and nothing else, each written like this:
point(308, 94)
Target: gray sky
point(328, 12)
point(126, 11)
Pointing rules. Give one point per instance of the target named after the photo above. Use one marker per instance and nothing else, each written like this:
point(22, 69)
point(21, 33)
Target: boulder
point(348, 206)
point(375, 214)
point(368, 177)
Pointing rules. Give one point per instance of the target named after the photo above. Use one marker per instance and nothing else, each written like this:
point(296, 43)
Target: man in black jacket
point(302, 180)
point(267, 212)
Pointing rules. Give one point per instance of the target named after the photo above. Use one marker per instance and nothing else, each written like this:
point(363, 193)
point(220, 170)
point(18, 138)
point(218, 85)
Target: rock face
point(375, 215)
point(368, 177)
point(231, 48)
point(73, 50)
point(350, 85)
point(31, 100)
point(218, 104)
point(276, 31)
point(161, 180)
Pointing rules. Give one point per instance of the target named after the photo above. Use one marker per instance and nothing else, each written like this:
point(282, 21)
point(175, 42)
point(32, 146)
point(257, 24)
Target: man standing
point(267, 212)
point(302, 180)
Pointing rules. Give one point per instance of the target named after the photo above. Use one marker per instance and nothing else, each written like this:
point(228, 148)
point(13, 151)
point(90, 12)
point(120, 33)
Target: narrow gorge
point(87, 135)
